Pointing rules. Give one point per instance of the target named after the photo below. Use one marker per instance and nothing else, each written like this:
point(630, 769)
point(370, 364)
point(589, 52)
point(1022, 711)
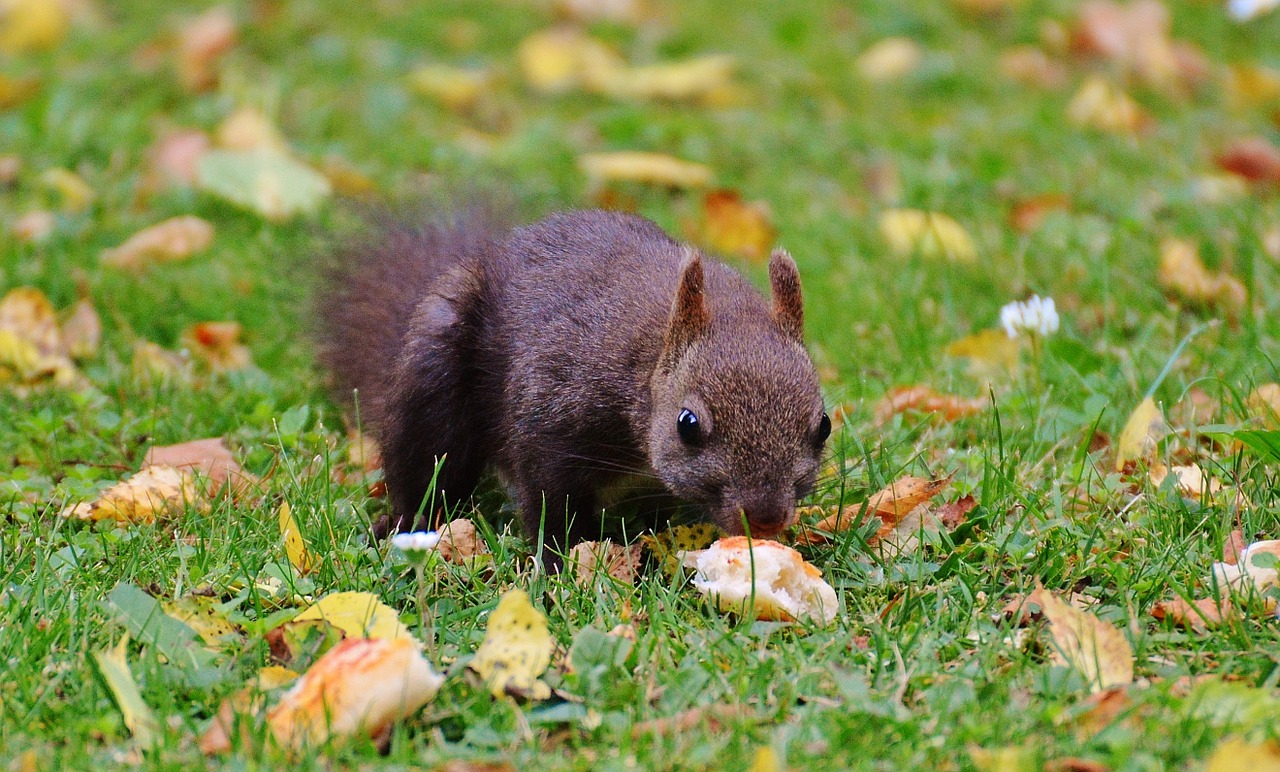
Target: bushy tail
point(371, 286)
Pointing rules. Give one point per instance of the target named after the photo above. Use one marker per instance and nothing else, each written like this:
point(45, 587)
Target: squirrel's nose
point(767, 514)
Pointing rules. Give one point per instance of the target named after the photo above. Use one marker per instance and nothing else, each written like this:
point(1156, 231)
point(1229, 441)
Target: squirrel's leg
point(563, 516)
point(431, 415)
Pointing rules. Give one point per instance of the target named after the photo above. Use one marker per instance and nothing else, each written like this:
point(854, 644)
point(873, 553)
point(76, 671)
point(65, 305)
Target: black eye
point(824, 429)
point(688, 427)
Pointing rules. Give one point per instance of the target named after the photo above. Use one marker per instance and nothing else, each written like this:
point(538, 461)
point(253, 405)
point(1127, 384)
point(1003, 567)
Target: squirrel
point(573, 354)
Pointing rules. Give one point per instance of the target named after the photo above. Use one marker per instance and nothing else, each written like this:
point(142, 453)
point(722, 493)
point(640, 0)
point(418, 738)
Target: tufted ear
point(689, 315)
point(784, 283)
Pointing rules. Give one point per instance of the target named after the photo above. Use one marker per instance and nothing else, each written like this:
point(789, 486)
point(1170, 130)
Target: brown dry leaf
point(218, 345)
point(591, 559)
point(168, 241)
point(732, 226)
point(923, 399)
point(359, 686)
point(10, 168)
point(1182, 273)
point(1250, 84)
point(516, 649)
point(929, 234)
point(688, 79)
point(1101, 710)
point(1253, 158)
point(210, 458)
point(233, 721)
point(32, 349)
point(1264, 404)
point(1029, 214)
point(152, 364)
point(891, 505)
point(154, 492)
point(1031, 66)
point(175, 157)
point(649, 168)
point(711, 716)
point(953, 514)
point(889, 59)
point(82, 331)
point(563, 58)
point(74, 192)
point(617, 11)
point(1103, 106)
point(249, 129)
point(1141, 434)
point(1189, 480)
point(460, 542)
point(32, 25)
point(1097, 650)
point(34, 227)
point(15, 91)
point(456, 88)
point(992, 354)
point(1235, 754)
point(201, 43)
point(1233, 546)
point(1134, 36)
point(1199, 615)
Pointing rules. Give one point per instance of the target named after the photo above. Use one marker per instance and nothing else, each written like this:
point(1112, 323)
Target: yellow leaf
point(651, 168)
point(991, 353)
point(1250, 85)
point(113, 665)
point(1141, 434)
point(153, 492)
point(1235, 754)
point(516, 649)
point(248, 129)
point(454, 87)
point(75, 192)
point(275, 676)
point(31, 344)
point(200, 613)
point(929, 234)
point(1014, 758)
point(1105, 107)
point(170, 240)
point(732, 226)
point(1182, 273)
point(889, 59)
point(1097, 650)
point(15, 91)
point(294, 545)
point(358, 614)
point(31, 25)
point(560, 59)
point(765, 760)
point(687, 79)
point(667, 545)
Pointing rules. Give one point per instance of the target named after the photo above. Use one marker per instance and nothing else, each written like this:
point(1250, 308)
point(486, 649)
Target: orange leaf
point(201, 43)
point(1199, 615)
point(891, 505)
point(210, 457)
point(1254, 158)
point(218, 344)
point(735, 227)
point(922, 399)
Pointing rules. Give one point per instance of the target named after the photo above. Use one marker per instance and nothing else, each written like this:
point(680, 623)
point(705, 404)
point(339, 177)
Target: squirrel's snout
point(766, 514)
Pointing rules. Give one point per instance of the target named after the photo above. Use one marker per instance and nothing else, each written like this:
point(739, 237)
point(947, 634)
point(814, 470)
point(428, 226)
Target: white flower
point(1036, 315)
point(1244, 10)
point(416, 543)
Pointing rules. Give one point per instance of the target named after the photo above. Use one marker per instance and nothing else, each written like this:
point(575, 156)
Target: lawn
point(1081, 152)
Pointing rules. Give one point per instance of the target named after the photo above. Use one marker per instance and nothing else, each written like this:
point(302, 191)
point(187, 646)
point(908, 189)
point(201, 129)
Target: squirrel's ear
point(689, 314)
point(784, 283)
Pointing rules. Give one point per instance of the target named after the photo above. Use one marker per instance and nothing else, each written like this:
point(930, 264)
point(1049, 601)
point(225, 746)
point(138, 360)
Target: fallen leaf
point(1029, 214)
point(210, 457)
point(1095, 649)
point(1219, 188)
point(1232, 548)
point(1256, 568)
point(1250, 84)
point(357, 687)
point(1075, 764)
point(1235, 754)
point(175, 157)
point(247, 129)
point(295, 547)
point(953, 514)
point(992, 354)
point(82, 331)
point(1014, 758)
point(713, 717)
point(1263, 404)
point(889, 59)
point(590, 560)
point(923, 399)
point(359, 615)
point(1135, 36)
point(201, 613)
point(1031, 66)
point(201, 43)
point(558, 60)
point(732, 226)
point(113, 666)
point(1101, 710)
point(460, 543)
point(346, 179)
point(1198, 615)
point(294, 643)
point(218, 345)
point(264, 181)
point(617, 11)
point(15, 91)
point(454, 87)
point(32, 25)
point(154, 492)
point(928, 234)
point(667, 545)
point(75, 193)
point(688, 79)
point(516, 649)
point(891, 504)
point(1101, 105)
point(649, 168)
point(152, 364)
point(168, 241)
point(1182, 273)
point(1141, 434)
point(1253, 158)
point(32, 349)
point(34, 227)
point(233, 723)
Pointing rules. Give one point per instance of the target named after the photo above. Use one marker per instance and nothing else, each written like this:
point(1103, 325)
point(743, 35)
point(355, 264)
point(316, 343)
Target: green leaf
point(1265, 443)
point(113, 666)
point(597, 657)
point(146, 621)
point(264, 181)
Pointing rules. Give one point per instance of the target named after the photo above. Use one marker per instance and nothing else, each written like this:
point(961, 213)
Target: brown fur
point(563, 352)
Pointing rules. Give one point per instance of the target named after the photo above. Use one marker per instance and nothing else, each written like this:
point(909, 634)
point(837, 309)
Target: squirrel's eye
point(688, 428)
point(824, 429)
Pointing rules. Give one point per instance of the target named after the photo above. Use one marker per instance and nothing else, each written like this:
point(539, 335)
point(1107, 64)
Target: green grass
point(915, 672)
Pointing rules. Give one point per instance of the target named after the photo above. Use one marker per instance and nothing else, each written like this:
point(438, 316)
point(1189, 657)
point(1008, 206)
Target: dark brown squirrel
point(575, 354)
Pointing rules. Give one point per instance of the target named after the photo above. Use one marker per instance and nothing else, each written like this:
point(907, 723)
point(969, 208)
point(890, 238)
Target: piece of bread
point(785, 587)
